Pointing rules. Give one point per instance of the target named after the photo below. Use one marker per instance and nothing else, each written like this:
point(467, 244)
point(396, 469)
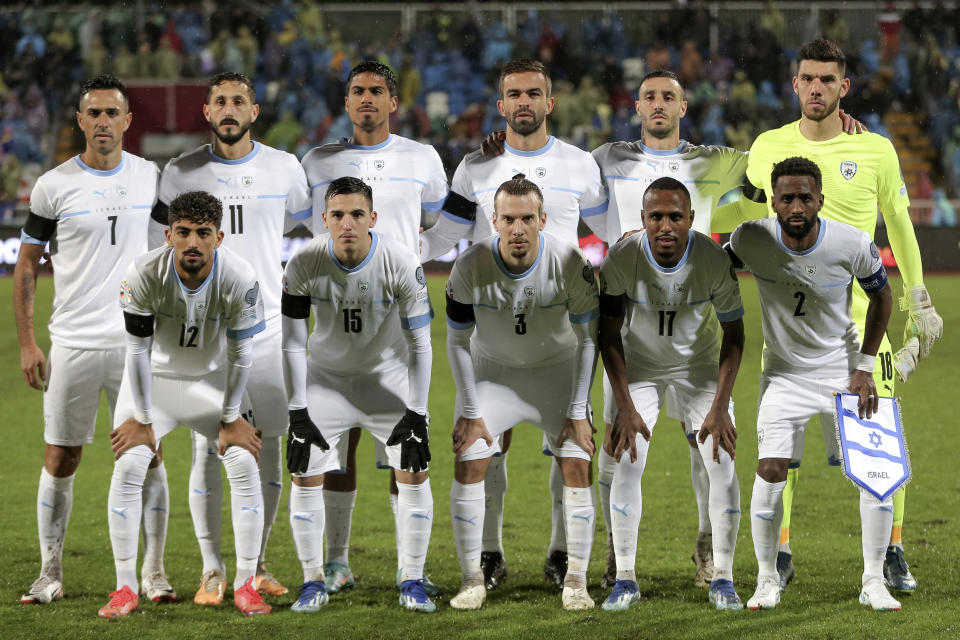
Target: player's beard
point(192, 268)
point(230, 138)
point(828, 111)
point(797, 233)
point(658, 131)
point(526, 128)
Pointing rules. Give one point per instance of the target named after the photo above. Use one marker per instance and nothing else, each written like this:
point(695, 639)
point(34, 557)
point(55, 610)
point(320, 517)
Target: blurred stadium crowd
point(904, 66)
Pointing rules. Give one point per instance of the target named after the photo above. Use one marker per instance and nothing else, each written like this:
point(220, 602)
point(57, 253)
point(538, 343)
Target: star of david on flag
point(873, 450)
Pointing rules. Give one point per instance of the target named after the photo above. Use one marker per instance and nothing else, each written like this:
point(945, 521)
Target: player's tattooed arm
point(32, 361)
point(718, 422)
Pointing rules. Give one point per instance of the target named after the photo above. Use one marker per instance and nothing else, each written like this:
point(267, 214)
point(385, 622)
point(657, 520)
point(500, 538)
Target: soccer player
point(94, 210)
point(265, 191)
point(360, 371)
point(572, 189)
point(191, 310)
point(671, 318)
point(407, 177)
point(521, 331)
point(860, 175)
point(804, 267)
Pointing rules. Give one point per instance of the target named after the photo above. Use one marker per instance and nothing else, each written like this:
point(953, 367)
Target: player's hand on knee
point(492, 145)
point(850, 124)
point(34, 366)
point(861, 383)
point(131, 434)
point(301, 435)
point(623, 434)
point(923, 321)
point(414, 439)
point(581, 432)
point(239, 433)
point(466, 431)
point(719, 425)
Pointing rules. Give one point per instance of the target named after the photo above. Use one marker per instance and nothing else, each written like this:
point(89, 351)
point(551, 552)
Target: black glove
point(301, 435)
point(411, 434)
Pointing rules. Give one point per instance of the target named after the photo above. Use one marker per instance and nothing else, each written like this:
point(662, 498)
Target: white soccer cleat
point(703, 558)
point(576, 599)
point(767, 595)
point(471, 596)
point(156, 588)
point(44, 590)
point(875, 595)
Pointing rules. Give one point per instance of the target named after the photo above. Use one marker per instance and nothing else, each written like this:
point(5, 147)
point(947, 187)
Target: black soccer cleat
point(896, 571)
point(555, 567)
point(785, 568)
point(494, 569)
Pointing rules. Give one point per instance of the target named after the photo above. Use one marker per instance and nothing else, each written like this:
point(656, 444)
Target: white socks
point(414, 522)
point(605, 467)
point(495, 487)
point(578, 512)
point(246, 505)
point(206, 497)
point(626, 507)
point(124, 509)
point(724, 507)
point(271, 484)
point(876, 518)
point(54, 502)
point(396, 526)
point(307, 524)
point(701, 487)
point(156, 512)
point(338, 508)
point(466, 512)
point(766, 512)
point(558, 531)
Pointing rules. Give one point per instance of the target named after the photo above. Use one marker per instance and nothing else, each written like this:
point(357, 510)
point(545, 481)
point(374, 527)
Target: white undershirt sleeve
point(441, 237)
point(138, 369)
point(418, 370)
point(584, 364)
point(294, 346)
point(461, 365)
point(239, 359)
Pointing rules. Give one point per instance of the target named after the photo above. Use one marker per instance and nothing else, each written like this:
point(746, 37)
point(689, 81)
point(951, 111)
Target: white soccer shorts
point(507, 396)
point(786, 403)
point(74, 380)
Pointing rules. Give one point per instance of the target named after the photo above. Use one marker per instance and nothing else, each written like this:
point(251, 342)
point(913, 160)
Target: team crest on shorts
point(540, 172)
point(848, 169)
point(378, 165)
point(364, 286)
point(246, 181)
point(529, 290)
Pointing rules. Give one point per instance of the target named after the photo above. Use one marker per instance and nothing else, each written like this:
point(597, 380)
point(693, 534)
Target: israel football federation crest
point(529, 290)
point(378, 165)
point(810, 269)
point(246, 181)
point(674, 167)
point(363, 286)
point(874, 450)
point(540, 172)
point(848, 169)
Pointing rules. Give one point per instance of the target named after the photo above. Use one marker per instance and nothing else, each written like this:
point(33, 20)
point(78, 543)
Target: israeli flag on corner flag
point(874, 450)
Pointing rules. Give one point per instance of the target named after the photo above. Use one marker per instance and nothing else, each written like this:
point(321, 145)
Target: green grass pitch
point(820, 603)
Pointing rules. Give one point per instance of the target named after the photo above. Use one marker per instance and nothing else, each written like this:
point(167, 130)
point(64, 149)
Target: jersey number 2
point(800, 296)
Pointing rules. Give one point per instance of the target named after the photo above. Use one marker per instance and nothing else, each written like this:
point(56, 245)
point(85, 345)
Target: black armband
point(459, 206)
point(734, 258)
point(751, 192)
point(159, 213)
point(139, 326)
point(297, 307)
point(459, 312)
point(39, 227)
point(612, 306)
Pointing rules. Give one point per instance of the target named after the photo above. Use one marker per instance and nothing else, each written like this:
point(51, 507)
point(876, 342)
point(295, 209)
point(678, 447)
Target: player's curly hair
point(666, 183)
point(231, 76)
point(377, 69)
point(198, 207)
point(524, 65)
point(823, 50)
point(104, 81)
point(518, 185)
point(796, 166)
point(347, 185)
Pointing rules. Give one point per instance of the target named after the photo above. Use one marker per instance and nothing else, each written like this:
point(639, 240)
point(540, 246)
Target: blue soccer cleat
point(413, 597)
point(724, 596)
point(625, 593)
point(432, 590)
point(313, 595)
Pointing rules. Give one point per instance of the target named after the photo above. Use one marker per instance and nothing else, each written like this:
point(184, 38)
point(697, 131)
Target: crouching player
point(179, 302)
point(368, 366)
point(522, 321)
point(804, 267)
point(658, 331)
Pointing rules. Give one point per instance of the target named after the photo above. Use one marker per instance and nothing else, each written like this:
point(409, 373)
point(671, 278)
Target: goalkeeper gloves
point(905, 360)
point(301, 435)
point(411, 434)
point(923, 322)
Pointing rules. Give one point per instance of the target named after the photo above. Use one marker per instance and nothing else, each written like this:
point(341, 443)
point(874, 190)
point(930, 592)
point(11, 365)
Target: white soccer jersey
point(567, 176)
point(405, 176)
point(359, 312)
point(259, 192)
point(191, 325)
point(523, 320)
point(805, 297)
point(670, 329)
point(628, 168)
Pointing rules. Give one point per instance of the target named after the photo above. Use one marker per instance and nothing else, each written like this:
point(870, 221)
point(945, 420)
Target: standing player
point(407, 177)
point(522, 321)
point(678, 293)
point(860, 175)
point(191, 310)
point(265, 192)
point(93, 209)
point(366, 291)
point(572, 189)
point(804, 267)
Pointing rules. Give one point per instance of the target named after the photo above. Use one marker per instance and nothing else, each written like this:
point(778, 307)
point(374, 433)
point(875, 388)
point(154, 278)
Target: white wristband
point(865, 362)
